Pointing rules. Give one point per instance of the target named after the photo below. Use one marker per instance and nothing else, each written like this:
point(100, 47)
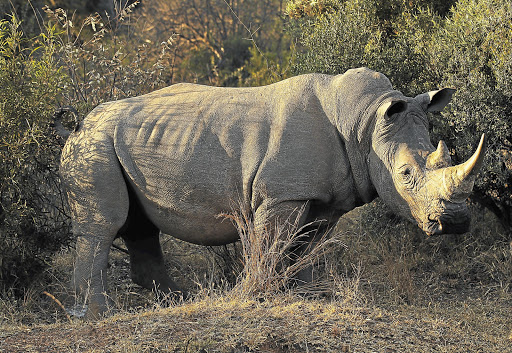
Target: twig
point(251, 33)
point(59, 304)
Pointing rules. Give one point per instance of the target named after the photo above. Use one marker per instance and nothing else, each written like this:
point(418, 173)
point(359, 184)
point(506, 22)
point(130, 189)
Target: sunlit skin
point(412, 173)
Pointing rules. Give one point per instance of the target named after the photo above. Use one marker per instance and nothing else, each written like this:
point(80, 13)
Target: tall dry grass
point(277, 257)
point(372, 261)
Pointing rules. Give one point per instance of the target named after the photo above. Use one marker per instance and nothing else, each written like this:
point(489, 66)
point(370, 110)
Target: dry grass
point(403, 266)
point(267, 256)
point(283, 324)
point(391, 290)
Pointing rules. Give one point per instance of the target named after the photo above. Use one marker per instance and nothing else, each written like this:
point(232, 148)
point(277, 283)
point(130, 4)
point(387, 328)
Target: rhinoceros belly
point(183, 176)
point(194, 224)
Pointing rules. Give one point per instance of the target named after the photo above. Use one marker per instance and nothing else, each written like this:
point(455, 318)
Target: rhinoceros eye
point(406, 173)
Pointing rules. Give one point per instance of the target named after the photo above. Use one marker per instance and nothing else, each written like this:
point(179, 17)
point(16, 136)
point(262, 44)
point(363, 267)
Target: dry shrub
point(380, 254)
point(269, 256)
point(108, 58)
point(346, 288)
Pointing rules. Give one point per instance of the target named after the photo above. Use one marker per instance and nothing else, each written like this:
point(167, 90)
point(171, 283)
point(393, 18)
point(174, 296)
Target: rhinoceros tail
point(57, 124)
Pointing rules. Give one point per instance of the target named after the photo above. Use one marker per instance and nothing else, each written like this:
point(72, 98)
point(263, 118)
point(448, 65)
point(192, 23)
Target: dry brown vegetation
point(283, 324)
point(389, 290)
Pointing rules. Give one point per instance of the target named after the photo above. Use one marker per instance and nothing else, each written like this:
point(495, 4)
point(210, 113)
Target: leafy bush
point(335, 42)
point(265, 68)
point(107, 59)
point(77, 63)
point(33, 224)
point(305, 8)
point(475, 53)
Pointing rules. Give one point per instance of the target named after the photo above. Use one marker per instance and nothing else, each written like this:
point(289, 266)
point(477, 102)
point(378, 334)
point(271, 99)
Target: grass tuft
point(269, 256)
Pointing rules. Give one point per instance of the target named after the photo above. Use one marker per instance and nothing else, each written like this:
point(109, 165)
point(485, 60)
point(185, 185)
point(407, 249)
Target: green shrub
point(33, 224)
point(367, 33)
point(265, 68)
point(77, 63)
point(335, 42)
point(475, 53)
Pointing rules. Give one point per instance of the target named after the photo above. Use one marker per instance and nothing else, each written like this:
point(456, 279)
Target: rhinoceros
point(174, 159)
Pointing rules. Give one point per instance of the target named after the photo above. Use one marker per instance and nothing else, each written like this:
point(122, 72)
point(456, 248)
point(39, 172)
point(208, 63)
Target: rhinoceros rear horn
point(459, 179)
point(440, 158)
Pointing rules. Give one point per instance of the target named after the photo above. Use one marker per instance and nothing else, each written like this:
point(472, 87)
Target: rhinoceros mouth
point(453, 218)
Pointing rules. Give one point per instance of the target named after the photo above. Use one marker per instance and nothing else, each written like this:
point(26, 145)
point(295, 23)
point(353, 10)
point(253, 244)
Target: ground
point(392, 292)
point(282, 324)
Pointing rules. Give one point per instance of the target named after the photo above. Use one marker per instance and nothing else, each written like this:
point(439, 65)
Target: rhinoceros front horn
point(459, 180)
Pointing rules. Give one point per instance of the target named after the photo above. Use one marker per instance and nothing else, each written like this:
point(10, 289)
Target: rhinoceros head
point(412, 176)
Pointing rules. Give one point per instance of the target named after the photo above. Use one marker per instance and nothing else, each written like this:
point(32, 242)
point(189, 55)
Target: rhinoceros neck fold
point(351, 101)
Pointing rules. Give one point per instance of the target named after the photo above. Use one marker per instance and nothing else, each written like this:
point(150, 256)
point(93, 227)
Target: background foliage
point(81, 58)
point(67, 62)
point(33, 224)
point(216, 39)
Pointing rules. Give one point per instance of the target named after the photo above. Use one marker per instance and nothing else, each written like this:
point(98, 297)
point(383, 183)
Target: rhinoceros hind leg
point(147, 263)
point(98, 202)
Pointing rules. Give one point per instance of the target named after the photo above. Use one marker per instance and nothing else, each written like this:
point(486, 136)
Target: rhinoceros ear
point(392, 107)
point(435, 101)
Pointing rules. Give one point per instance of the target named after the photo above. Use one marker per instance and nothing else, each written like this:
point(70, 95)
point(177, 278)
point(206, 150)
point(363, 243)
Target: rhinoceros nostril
point(433, 219)
point(439, 226)
point(434, 226)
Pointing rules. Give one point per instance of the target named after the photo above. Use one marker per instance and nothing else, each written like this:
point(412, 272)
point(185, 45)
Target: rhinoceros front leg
point(314, 234)
point(280, 218)
point(283, 222)
point(287, 219)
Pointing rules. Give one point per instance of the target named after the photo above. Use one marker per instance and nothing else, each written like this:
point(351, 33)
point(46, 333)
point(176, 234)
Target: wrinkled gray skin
point(174, 159)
